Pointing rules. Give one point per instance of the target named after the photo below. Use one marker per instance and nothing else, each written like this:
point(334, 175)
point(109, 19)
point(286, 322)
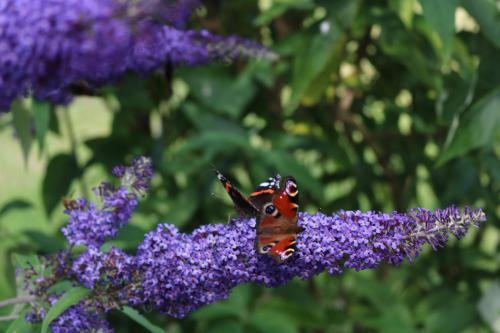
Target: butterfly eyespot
point(287, 254)
point(266, 248)
point(291, 189)
point(270, 209)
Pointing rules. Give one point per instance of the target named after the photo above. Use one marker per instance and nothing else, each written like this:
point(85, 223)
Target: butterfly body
point(274, 204)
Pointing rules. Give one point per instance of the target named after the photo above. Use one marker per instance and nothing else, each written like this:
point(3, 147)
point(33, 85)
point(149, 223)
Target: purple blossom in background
point(47, 46)
point(190, 47)
point(181, 272)
point(174, 12)
point(91, 225)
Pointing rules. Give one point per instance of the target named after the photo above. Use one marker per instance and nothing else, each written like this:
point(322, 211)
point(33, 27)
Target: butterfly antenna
point(217, 172)
point(221, 177)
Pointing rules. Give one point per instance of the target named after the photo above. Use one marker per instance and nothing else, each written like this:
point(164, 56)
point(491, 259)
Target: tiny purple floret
point(181, 272)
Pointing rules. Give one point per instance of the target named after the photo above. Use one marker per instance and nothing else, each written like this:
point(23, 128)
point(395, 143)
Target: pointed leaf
point(215, 88)
point(489, 306)
point(278, 8)
point(22, 124)
point(441, 16)
point(25, 261)
point(235, 306)
point(61, 171)
point(41, 112)
point(479, 126)
point(141, 320)
point(487, 15)
point(226, 326)
point(316, 57)
point(404, 9)
point(13, 205)
point(268, 320)
point(20, 324)
point(72, 297)
point(44, 241)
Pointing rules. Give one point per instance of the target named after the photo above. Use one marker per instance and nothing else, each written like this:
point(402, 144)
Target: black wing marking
point(265, 191)
point(270, 183)
point(243, 206)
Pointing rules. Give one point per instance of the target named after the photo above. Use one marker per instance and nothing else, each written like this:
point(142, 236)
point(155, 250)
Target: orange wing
point(277, 227)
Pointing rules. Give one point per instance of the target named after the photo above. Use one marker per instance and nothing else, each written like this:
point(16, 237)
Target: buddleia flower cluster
point(49, 47)
point(176, 273)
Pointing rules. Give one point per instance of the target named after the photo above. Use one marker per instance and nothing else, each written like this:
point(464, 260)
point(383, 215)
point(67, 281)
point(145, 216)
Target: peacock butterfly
point(274, 203)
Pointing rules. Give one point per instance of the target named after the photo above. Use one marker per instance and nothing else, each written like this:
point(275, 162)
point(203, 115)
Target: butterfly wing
point(276, 211)
point(277, 227)
point(265, 191)
point(243, 206)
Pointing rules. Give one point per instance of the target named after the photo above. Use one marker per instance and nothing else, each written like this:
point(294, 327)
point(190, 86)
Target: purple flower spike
point(108, 269)
point(136, 177)
point(78, 319)
point(176, 273)
point(91, 225)
point(191, 48)
point(181, 272)
point(49, 47)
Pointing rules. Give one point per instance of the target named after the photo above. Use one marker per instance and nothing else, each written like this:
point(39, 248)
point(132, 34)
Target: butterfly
point(274, 203)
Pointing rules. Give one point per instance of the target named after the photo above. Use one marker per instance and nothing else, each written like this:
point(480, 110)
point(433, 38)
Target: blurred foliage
point(373, 104)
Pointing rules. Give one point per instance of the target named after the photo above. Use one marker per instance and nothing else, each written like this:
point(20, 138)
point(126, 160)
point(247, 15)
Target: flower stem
point(17, 300)
point(9, 317)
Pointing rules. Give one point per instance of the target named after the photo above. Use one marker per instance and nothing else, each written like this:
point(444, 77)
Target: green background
point(382, 105)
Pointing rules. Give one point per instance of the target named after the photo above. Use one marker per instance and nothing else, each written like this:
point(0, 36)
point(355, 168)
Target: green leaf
point(279, 7)
point(226, 326)
point(183, 207)
point(130, 237)
point(404, 9)
point(343, 11)
point(132, 93)
point(268, 320)
point(235, 306)
point(216, 311)
point(479, 126)
point(61, 286)
point(487, 15)
point(409, 49)
point(206, 121)
point(44, 241)
point(447, 311)
point(41, 112)
point(488, 70)
point(394, 318)
point(141, 320)
point(61, 171)
point(13, 205)
point(318, 56)
point(303, 311)
point(456, 96)
point(215, 88)
point(20, 325)
point(72, 297)
point(54, 126)
point(22, 125)
point(441, 16)
point(25, 261)
point(489, 306)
